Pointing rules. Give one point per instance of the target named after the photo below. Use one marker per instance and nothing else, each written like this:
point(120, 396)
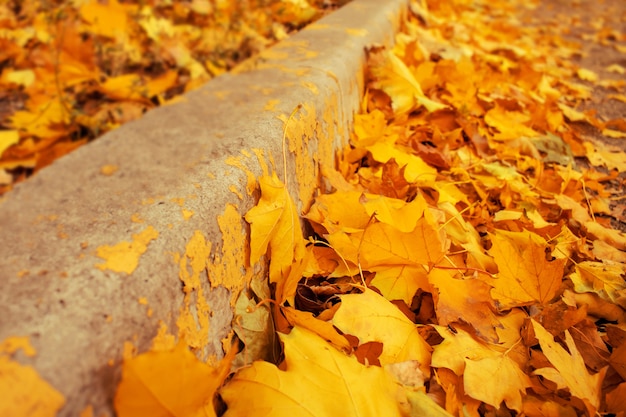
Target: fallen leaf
point(524, 276)
point(395, 79)
point(495, 380)
point(488, 375)
point(169, 383)
point(274, 224)
point(372, 318)
point(603, 278)
point(569, 368)
point(464, 300)
point(8, 138)
point(317, 380)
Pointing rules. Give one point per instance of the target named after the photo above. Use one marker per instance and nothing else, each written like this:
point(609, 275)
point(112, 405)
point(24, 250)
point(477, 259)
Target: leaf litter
point(465, 264)
point(72, 70)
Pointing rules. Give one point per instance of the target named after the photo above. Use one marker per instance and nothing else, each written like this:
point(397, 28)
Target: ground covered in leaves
point(462, 260)
point(73, 70)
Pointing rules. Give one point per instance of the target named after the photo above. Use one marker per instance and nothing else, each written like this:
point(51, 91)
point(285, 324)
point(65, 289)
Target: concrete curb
point(95, 247)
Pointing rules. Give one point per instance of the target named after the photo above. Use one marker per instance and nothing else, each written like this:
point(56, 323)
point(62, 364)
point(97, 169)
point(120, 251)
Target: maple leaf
point(400, 282)
point(465, 300)
point(317, 380)
point(339, 211)
point(508, 381)
point(274, 224)
point(488, 375)
point(324, 329)
point(396, 79)
point(510, 124)
point(415, 169)
point(569, 368)
point(169, 383)
point(372, 318)
point(395, 212)
point(108, 20)
point(525, 275)
point(603, 278)
point(382, 245)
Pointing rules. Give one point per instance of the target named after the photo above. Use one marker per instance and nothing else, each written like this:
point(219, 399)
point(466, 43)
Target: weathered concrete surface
point(179, 169)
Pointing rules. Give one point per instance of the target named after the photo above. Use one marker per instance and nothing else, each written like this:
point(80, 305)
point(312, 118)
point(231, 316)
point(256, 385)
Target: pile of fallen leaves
point(463, 262)
point(72, 70)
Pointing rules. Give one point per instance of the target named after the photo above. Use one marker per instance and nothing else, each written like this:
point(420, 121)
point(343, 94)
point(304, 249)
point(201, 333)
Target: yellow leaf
point(572, 114)
point(372, 318)
point(317, 380)
point(124, 87)
point(341, 210)
point(603, 155)
point(587, 75)
point(25, 393)
point(615, 134)
point(7, 139)
point(416, 170)
point(21, 77)
point(11, 344)
point(456, 347)
point(524, 276)
point(569, 368)
point(400, 282)
point(618, 97)
point(324, 329)
point(603, 278)
point(466, 300)
point(381, 245)
point(489, 373)
point(274, 224)
point(397, 80)
point(616, 68)
point(108, 20)
point(395, 212)
point(510, 124)
point(423, 405)
point(495, 379)
point(294, 12)
point(369, 128)
point(170, 383)
point(38, 121)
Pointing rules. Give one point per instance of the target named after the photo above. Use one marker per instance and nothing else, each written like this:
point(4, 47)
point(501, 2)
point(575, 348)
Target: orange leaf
point(381, 245)
point(372, 318)
point(108, 20)
point(525, 275)
point(465, 300)
point(318, 380)
point(172, 383)
point(489, 375)
point(569, 369)
point(274, 223)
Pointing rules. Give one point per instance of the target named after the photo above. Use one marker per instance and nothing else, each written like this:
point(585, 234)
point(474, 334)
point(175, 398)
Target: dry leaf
point(169, 383)
point(274, 224)
point(525, 275)
point(372, 318)
point(569, 369)
point(317, 380)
